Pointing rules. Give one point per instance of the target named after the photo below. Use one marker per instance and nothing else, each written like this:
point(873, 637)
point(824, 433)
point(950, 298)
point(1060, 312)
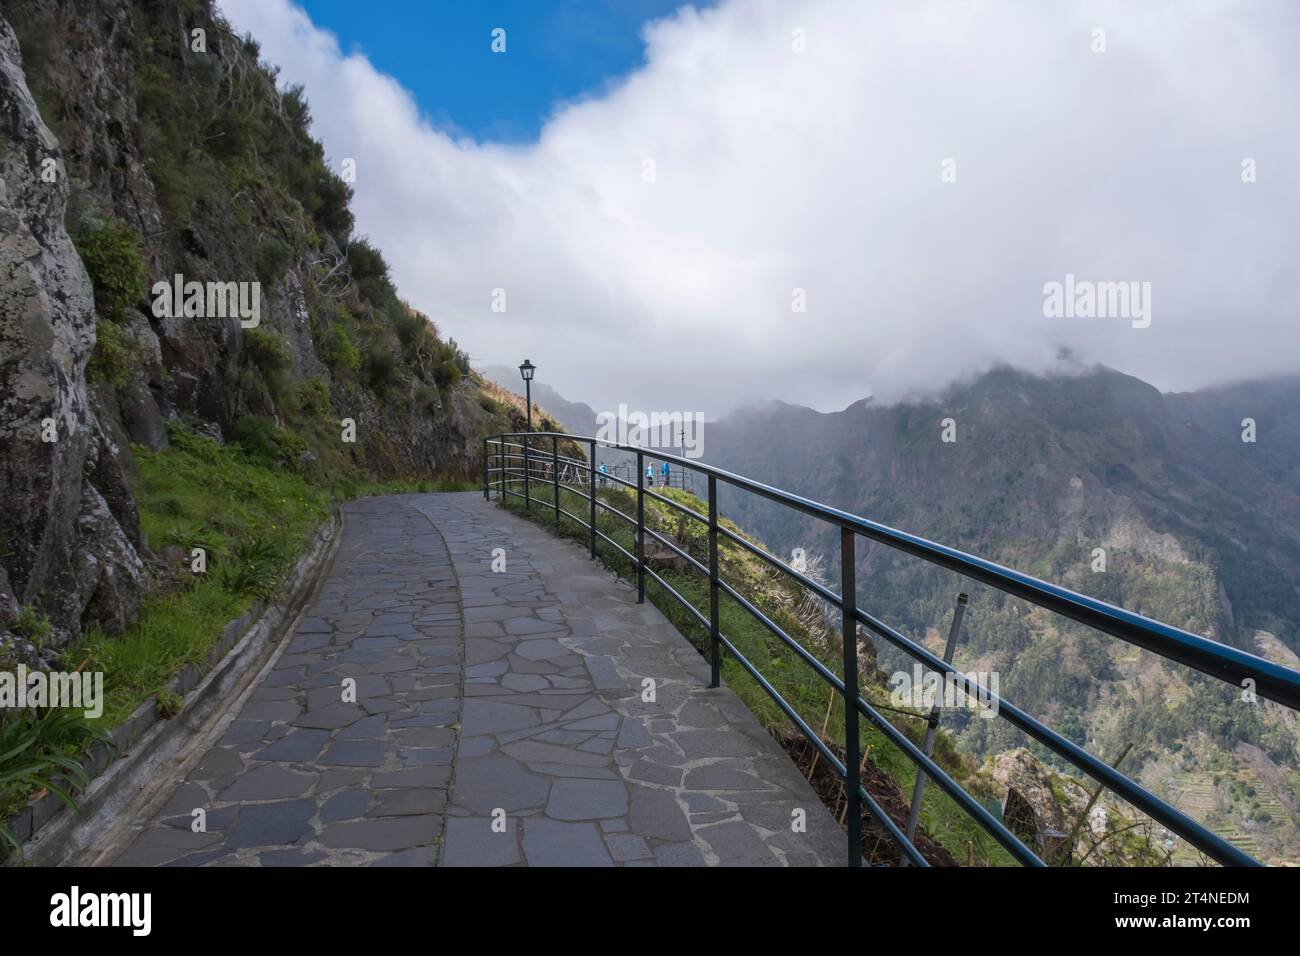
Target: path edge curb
point(52, 834)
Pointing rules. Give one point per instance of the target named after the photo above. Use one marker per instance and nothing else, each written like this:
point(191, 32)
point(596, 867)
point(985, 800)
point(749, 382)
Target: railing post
point(555, 475)
point(485, 469)
point(528, 501)
point(715, 646)
point(591, 478)
point(501, 469)
point(640, 527)
point(932, 730)
point(852, 757)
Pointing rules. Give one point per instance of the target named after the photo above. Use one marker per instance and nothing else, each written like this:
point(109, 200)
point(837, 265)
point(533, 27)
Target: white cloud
point(821, 171)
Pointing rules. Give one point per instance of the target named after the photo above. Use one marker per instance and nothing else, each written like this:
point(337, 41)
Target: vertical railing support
point(528, 501)
point(954, 629)
point(485, 469)
point(715, 646)
point(852, 757)
point(501, 470)
point(640, 527)
point(555, 475)
point(591, 479)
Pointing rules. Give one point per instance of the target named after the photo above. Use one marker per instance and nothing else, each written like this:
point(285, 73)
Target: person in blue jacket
point(603, 472)
point(650, 475)
point(664, 471)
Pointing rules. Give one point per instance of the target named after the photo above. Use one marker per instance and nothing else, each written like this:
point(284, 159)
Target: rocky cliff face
point(66, 550)
point(142, 141)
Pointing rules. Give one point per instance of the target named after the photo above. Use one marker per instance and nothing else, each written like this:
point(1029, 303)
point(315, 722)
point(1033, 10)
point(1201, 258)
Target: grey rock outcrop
point(57, 529)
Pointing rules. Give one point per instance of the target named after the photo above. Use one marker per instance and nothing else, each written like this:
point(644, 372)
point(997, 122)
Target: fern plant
point(37, 748)
point(253, 568)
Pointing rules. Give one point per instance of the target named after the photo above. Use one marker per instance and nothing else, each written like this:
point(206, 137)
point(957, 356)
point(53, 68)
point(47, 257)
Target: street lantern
point(527, 370)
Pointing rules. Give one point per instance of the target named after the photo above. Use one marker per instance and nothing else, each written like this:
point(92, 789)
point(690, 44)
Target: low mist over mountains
point(1040, 471)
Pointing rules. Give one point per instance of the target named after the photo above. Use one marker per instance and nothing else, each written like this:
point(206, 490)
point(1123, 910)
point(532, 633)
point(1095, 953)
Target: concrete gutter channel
point(146, 747)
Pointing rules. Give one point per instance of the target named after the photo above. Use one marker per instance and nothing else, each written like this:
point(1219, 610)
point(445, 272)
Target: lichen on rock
point(53, 516)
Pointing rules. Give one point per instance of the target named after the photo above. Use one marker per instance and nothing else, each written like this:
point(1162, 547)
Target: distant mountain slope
point(1044, 470)
point(575, 417)
point(1197, 527)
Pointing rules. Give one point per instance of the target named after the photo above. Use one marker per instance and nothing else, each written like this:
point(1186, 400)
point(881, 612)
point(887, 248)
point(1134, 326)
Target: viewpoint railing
point(1227, 664)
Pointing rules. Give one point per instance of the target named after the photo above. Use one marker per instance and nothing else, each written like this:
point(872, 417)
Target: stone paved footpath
point(483, 696)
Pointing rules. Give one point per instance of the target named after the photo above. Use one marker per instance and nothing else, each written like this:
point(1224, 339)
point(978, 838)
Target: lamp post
point(527, 370)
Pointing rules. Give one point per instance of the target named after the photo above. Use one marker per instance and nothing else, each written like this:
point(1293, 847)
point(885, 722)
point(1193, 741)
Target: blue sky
point(844, 198)
point(557, 50)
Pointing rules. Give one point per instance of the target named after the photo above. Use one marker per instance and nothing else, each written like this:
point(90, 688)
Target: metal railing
point(1271, 681)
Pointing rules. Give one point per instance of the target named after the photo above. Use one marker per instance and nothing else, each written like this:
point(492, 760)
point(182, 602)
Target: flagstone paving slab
point(430, 710)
